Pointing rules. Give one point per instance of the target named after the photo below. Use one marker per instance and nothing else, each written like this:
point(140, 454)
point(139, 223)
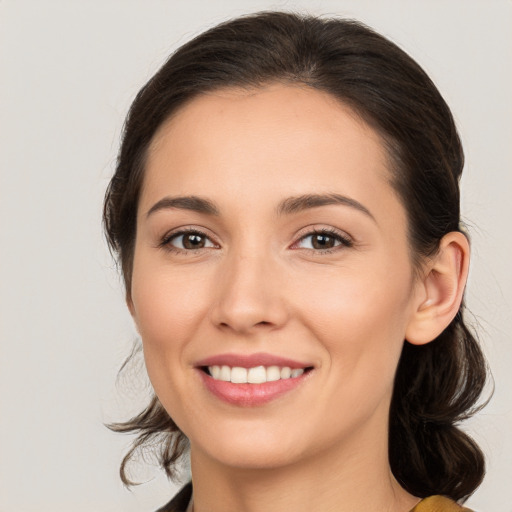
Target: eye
point(186, 240)
point(323, 241)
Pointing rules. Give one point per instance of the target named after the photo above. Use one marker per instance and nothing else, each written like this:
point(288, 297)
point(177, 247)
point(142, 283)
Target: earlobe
point(440, 291)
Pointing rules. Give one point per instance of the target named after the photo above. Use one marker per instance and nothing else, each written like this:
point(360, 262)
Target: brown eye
point(324, 241)
point(321, 241)
point(193, 241)
point(187, 241)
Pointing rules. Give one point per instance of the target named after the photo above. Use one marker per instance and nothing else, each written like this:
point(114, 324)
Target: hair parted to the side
point(437, 384)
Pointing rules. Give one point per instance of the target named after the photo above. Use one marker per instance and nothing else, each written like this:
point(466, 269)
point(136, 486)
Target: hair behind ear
point(436, 386)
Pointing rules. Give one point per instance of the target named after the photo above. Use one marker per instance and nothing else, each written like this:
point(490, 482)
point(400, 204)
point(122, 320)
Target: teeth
point(256, 375)
point(273, 373)
point(215, 371)
point(225, 373)
point(238, 375)
point(286, 372)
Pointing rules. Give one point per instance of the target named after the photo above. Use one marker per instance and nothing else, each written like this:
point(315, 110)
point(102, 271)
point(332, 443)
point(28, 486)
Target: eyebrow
point(194, 203)
point(288, 206)
point(307, 201)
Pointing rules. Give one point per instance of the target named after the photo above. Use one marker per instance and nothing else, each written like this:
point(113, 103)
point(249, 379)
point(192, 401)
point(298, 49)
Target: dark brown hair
point(437, 384)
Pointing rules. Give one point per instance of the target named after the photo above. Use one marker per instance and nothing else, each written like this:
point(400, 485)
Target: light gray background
point(69, 70)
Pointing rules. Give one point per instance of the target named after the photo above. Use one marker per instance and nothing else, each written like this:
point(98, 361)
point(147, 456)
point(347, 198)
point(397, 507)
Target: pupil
point(322, 241)
point(193, 241)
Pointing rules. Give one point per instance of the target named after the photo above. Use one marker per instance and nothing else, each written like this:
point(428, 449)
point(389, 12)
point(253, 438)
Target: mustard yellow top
point(438, 504)
point(182, 500)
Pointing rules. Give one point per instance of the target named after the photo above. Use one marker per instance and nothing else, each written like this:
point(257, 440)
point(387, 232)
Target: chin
point(254, 457)
point(252, 449)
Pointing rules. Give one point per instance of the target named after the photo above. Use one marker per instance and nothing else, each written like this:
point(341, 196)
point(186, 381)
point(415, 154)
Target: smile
point(255, 375)
point(252, 380)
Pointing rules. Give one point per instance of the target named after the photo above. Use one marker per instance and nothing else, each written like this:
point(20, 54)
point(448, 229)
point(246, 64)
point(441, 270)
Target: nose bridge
point(248, 292)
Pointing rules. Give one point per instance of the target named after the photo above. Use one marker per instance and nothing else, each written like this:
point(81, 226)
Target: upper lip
point(251, 361)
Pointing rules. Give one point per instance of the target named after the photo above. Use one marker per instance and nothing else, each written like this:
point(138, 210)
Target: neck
point(340, 479)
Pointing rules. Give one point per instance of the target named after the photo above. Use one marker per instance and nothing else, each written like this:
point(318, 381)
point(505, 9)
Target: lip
point(251, 361)
point(251, 395)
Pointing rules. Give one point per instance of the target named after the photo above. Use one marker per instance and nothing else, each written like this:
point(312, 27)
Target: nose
point(249, 296)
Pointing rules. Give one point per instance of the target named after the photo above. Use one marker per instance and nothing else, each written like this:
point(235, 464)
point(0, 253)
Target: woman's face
point(269, 239)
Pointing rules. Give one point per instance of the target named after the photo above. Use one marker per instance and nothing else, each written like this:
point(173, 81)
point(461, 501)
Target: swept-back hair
point(438, 384)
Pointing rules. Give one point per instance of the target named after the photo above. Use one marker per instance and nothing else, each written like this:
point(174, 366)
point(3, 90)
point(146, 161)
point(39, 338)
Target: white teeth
point(225, 373)
point(273, 373)
point(238, 375)
point(256, 375)
point(286, 372)
point(215, 371)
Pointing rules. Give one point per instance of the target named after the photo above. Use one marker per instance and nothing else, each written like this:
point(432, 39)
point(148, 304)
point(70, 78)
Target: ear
point(439, 292)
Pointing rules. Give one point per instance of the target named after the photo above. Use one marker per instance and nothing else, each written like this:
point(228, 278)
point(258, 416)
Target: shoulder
point(438, 504)
point(180, 502)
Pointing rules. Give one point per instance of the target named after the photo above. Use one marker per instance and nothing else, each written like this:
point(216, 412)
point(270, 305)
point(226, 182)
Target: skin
point(259, 284)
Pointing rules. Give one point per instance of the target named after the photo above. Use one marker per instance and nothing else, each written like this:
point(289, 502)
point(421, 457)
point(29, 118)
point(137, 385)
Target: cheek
point(359, 317)
point(168, 309)
point(165, 299)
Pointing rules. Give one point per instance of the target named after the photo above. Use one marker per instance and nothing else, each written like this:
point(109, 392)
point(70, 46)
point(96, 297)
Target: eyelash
point(344, 240)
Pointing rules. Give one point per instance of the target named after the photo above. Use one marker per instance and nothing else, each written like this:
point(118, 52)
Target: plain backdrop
point(68, 72)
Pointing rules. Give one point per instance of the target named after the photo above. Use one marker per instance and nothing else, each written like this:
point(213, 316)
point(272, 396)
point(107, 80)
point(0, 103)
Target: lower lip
point(251, 395)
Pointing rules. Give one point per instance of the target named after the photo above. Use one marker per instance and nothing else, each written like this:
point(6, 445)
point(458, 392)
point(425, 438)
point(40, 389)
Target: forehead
point(266, 143)
point(268, 111)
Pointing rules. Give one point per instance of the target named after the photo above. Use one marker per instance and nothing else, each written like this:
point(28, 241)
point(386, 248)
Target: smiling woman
point(286, 213)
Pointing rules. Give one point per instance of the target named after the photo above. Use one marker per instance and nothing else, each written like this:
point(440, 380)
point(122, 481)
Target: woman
point(285, 209)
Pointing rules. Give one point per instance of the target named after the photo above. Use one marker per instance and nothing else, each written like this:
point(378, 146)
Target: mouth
point(252, 380)
point(254, 375)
